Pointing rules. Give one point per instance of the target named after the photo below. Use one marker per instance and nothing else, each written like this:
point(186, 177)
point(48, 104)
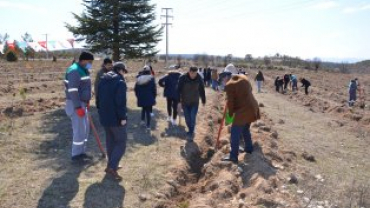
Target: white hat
point(231, 68)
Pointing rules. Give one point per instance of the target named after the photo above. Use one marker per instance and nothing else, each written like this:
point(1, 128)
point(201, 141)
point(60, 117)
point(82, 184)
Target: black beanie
point(86, 56)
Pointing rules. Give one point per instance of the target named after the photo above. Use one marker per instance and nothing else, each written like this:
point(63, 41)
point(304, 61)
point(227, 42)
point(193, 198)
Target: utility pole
point(166, 25)
point(46, 45)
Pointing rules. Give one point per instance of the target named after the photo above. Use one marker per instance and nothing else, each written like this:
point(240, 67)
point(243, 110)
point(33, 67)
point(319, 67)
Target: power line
point(166, 25)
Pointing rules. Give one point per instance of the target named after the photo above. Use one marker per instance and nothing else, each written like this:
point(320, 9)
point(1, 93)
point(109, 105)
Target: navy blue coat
point(170, 83)
point(145, 90)
point(111, 102)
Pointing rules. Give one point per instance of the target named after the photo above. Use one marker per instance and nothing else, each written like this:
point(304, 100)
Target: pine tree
point(122, 26)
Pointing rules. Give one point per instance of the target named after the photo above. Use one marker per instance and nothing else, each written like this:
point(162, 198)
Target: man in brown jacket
point(244, 107)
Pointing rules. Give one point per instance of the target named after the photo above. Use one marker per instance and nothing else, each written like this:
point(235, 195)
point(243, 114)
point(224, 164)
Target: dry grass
point(341, 155)
point(37, 171)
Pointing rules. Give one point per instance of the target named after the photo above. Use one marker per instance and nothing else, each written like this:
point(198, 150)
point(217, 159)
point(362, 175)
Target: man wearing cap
point(242, 105)
point(190, 90)
point(78, 95)
point(113, 115)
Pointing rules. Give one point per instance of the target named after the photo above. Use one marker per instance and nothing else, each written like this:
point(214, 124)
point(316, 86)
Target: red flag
point(42, 44)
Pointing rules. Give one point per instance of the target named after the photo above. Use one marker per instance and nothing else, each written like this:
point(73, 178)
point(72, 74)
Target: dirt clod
point(308, 157)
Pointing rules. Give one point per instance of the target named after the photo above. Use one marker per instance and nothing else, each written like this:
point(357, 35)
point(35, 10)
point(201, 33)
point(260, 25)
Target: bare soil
point(310, 151)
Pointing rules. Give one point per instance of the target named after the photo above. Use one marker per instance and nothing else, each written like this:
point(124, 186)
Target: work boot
point(113, 174)
point(86, 156)
point(229, 159)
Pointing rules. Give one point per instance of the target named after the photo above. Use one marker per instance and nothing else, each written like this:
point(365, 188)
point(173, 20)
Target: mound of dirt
point(206, 181)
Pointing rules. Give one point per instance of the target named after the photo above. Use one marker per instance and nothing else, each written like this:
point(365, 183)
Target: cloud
point(350, 10)
point(21, 6)
point(326, 5)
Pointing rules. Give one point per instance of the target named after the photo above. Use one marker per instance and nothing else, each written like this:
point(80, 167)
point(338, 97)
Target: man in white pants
point(78, 95)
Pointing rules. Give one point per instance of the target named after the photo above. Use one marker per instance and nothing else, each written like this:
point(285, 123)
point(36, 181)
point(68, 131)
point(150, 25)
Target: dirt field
point(308, 153)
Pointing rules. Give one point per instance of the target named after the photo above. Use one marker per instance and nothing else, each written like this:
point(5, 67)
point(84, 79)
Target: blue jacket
point(170, 83)
point(145, 90)
point(112, 100)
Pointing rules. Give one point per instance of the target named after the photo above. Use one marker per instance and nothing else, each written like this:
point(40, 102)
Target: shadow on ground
point(55, 154)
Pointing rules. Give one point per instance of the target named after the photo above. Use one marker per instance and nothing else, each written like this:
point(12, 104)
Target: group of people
point(111, 101)
point(281, 84)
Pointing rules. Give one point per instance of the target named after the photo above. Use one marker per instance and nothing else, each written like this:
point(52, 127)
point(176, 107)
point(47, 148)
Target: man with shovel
point(78, 93)
point(241, 105)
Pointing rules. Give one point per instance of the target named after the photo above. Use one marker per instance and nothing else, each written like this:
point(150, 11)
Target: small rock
point(281, 121)
point(260, 123)
point(306, 199)
point(318, 177)
point(300, 191)
point(274, 135)
point(144, 197)
point(261, 105)
point(308, 157)
point(265, 128)
point(293, 179)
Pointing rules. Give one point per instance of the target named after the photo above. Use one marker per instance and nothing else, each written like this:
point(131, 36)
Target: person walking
point(259, 79)
point(112, 109)
point(191, 89)
point(146, 93)
point(106, 67)
point(352, 92)
point(214, 79)
point(241, 105)
point(78, 95)
point(306, 84)
point(207, 76)
point(170, 82)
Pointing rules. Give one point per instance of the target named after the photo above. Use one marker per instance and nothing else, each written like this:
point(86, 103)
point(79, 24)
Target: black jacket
point(305, 83)
point(170, 83)
point(259, 77)
point(145, 90)
point(112, 99)
point(190, 90)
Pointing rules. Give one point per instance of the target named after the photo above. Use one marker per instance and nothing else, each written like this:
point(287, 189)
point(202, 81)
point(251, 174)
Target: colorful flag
point(36, 46)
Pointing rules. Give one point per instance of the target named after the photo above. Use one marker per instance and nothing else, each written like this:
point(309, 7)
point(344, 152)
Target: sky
point(331, 30)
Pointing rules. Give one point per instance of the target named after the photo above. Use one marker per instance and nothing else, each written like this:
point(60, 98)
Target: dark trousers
point(236, 133)
point(145, 113)
point(286, 85)
point(190, 114)
point(172, 107)
point(306, 89)
point(116, 138)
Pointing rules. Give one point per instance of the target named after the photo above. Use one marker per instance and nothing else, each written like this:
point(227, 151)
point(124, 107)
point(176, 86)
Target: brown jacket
point(240, 100)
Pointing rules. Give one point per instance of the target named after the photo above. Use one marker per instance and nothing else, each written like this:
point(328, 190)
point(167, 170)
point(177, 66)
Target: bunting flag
point(22, 45)
point(42, 44)
point(38, 46)
point(10, 45)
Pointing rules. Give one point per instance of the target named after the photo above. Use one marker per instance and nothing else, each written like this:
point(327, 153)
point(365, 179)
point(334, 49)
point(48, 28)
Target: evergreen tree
point(122, 26)
point(29, 52)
